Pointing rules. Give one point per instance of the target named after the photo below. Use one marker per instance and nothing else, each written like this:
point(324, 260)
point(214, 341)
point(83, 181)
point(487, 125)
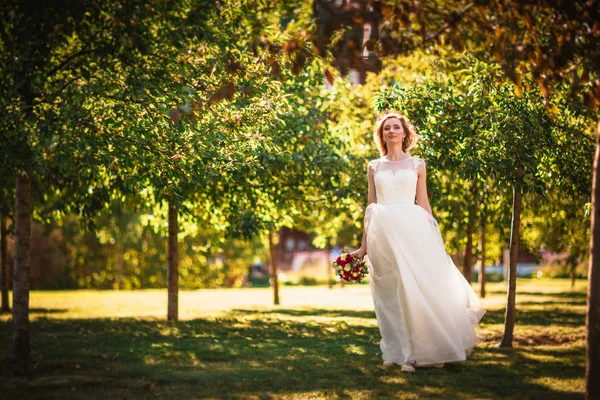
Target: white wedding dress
point(425, 308)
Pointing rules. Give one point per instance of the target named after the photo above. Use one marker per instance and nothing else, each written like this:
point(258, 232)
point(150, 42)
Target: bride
point(426, 310)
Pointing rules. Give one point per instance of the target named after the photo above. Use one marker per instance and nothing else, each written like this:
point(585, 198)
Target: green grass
point(320, 343)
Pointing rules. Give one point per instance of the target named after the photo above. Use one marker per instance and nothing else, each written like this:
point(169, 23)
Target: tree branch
point(439, 32)
point(69, 59)
point(43, 99)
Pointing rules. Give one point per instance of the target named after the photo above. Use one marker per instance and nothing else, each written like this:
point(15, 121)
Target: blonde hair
point(409, 140)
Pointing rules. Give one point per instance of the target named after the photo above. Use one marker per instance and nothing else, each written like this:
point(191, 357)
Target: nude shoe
point(408, 366)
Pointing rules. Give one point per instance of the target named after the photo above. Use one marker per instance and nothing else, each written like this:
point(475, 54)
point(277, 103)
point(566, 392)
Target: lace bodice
point(396, 181)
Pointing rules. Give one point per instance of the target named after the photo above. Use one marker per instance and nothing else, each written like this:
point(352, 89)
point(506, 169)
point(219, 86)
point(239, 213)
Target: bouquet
point(349, 268)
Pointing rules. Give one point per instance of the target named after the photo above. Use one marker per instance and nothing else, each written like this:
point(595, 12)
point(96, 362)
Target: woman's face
point(393, 131)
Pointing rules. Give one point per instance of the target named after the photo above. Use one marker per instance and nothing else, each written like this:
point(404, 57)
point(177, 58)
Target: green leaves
point(550, 41)
point(483, 133)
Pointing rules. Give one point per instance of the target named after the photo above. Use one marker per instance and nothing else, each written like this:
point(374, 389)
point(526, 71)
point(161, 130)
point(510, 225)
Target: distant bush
point(262, 281)
point(556, 270)
point(306, 281)
point(489, 277)
point(310, 281)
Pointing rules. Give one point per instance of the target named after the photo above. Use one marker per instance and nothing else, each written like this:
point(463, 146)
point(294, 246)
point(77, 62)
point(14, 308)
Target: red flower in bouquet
point(349, 268)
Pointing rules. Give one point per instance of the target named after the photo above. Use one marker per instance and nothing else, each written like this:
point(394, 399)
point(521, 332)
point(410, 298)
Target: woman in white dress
point(426, 310)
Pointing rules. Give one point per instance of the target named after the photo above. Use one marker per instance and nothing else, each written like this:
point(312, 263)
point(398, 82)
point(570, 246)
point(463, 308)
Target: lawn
point(319, 343)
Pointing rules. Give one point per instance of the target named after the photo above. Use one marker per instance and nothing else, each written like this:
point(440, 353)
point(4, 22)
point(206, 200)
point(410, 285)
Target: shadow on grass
point(554, 303)
point(313, 312)
point(542, 317)
point(562, 295)
point(264, 354)
point(48, 310)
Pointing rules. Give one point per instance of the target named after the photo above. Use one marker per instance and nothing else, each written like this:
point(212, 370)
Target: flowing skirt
point(426, 310)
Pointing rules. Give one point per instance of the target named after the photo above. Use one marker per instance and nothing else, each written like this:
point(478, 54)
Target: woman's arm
point(372, 198)
point(422, 199)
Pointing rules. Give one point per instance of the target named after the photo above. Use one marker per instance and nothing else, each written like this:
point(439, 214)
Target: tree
point(7, 196)
point(60, 69)
point(4, 269)
point(293, 174)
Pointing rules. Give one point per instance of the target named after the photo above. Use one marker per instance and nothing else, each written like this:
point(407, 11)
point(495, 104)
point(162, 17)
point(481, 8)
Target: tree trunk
point(505, 265)
point(4, 265)
point(592, 322)
point(173, 267)
point(329, 268)
point(20, 312)
point(509, 321)
point(573, 275)
point(468, 258)
point(121, 256)
point(273, 263)
point(483, 258)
